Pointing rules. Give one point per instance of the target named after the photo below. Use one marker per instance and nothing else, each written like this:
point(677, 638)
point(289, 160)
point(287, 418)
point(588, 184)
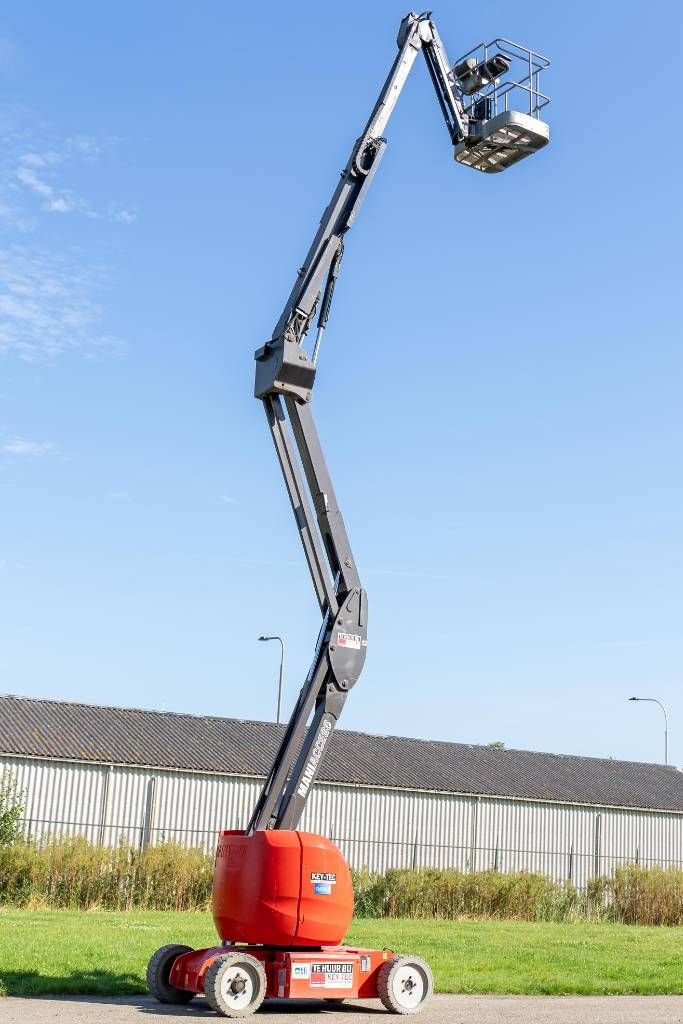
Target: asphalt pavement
point(441, 1010)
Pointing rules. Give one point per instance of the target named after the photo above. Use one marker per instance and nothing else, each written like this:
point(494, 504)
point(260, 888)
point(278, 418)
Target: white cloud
point(40, 159)
point(227, 500)
point(46, 305)
point(52, 160)
point(124, 216)
point(59, 200)
point(49, 292)
point(55, 200)
point(20, 446)
point(31, 179)
point(86, 145)
point(60, 205)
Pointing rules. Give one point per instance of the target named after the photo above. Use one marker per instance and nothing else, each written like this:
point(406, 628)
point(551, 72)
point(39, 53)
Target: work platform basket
point(499, 86)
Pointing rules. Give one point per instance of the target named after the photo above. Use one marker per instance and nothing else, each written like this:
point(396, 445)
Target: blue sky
point(499, 393)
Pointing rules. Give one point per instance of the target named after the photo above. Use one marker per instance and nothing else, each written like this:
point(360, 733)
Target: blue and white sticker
point(323, 882)
point(301, 970)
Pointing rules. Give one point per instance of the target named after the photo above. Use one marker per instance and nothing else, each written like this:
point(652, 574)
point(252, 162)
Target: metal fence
point(570, 864)
point(376, 828)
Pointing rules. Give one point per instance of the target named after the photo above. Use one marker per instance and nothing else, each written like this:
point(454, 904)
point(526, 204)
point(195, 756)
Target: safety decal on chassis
point(351, 640)
point(332, 975)
point(323, 882)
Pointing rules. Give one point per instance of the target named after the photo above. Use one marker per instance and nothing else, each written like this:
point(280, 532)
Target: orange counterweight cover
point(281, 888)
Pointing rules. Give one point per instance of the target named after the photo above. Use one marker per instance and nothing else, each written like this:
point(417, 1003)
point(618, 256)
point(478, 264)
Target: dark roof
point(161, 739)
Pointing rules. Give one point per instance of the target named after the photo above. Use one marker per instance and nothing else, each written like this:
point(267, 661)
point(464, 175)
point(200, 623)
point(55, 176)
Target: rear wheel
point(405, 984)
point(235, 985)
point(158, 971)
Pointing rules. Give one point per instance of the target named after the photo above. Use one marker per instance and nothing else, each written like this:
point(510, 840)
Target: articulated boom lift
point(282, 898)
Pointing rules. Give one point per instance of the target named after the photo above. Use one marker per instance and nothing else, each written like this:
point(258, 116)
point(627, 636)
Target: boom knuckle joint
point(283, 368)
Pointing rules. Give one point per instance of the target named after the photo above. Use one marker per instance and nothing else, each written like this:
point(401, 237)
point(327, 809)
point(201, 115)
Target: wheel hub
point(238, 985)
point(409, 986)
point(238, 988)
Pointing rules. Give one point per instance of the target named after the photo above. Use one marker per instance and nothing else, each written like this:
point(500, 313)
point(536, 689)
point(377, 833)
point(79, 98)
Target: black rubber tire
point(158, 970)
point(386, 982)
point(214, 977)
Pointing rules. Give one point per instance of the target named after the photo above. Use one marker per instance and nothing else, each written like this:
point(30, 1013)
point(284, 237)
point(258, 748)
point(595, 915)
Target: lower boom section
point(236, 979)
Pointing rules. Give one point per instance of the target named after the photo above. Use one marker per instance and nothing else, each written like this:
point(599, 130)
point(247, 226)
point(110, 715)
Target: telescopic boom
point(285, 374)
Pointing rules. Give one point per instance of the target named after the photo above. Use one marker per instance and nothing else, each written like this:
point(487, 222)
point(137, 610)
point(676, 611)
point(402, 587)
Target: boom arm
point(285, 374)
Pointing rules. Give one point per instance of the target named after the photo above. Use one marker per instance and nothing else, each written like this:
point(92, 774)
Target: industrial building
point(387, 801)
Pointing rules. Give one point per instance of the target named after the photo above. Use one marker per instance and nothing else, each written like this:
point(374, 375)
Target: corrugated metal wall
point(376, 829)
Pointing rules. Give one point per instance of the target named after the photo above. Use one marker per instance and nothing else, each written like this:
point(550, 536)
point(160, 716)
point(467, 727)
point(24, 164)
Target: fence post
point(105, 802)
point(474, 834)
point(148, 817)
point(597, 851)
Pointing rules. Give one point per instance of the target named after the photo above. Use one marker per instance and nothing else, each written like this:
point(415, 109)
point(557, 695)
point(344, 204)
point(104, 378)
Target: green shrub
point(11, 809)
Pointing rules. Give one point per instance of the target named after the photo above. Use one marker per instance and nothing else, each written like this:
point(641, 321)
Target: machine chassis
point(330, 973)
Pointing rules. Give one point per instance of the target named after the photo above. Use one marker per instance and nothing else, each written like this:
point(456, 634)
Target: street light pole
point(653, 700)
point(282, 665)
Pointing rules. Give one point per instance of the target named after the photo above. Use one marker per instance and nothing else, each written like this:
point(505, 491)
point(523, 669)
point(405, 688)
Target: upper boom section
point(282, 370)
point(477, 99)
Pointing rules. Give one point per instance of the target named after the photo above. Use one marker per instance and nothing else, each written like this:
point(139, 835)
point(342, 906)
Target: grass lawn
point(106, 953)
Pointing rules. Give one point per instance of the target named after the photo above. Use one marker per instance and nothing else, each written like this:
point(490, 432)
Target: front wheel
point(405, 984)
point(158, 971)
point(235, 984)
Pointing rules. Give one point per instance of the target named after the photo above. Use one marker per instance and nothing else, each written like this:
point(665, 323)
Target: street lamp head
point(282, 662)
point(654, 700)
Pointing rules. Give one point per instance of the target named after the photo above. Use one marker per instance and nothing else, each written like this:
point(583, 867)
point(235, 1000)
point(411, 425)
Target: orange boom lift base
point(282, 903)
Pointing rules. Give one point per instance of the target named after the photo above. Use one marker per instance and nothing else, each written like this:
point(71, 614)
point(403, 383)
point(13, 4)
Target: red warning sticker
point(349, 640)
point(332, 975)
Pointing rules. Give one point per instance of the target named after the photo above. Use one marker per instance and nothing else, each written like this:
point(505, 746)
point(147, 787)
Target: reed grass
point(78, 875)
point(75, 874)
point(449, 895)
